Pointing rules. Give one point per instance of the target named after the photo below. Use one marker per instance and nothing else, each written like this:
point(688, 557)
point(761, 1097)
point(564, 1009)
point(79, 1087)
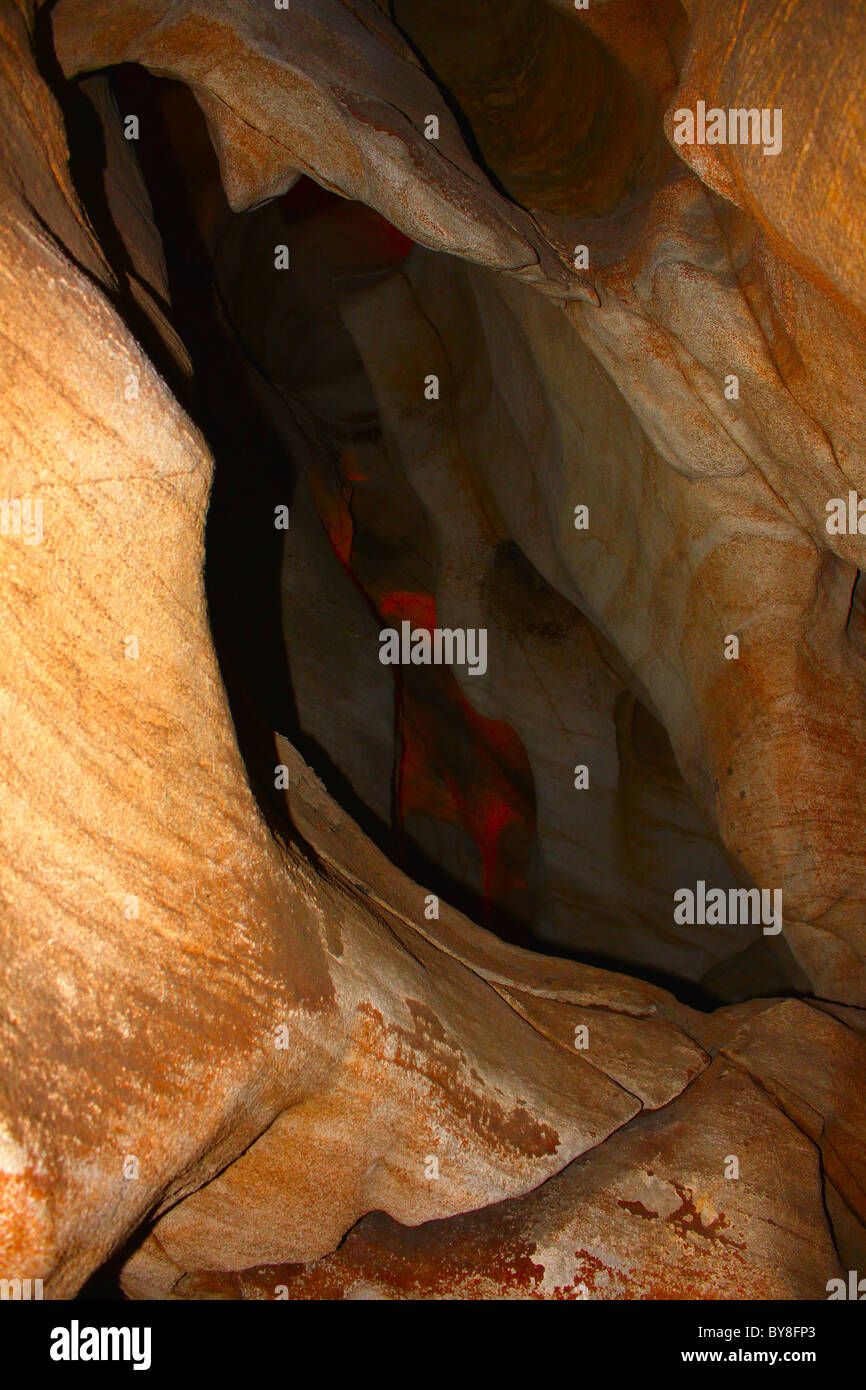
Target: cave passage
point(447, 659)
point(318, 543)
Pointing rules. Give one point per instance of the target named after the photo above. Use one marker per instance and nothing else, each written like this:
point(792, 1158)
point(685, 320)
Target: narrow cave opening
point(478, 799)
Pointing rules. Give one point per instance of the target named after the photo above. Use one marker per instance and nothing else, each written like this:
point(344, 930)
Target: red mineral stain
point(408, 605)
point(455, 765)
point(481, 795)
point(351, 467)
point(638, 1209)
point(463, 1257)
point(368, 238)
point(689, 1221)
point(591, 1276)
point(427, 1050)
point(336, 518)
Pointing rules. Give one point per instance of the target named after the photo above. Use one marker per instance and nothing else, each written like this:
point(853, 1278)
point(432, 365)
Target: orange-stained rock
point(174, 979)
point(650, 1215)
point(227, 1017)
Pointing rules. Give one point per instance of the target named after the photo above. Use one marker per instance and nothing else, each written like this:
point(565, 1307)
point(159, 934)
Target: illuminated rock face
point(385, 341)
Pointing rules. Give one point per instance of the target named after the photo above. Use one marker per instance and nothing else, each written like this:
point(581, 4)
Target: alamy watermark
point(719, 907)
point(739, 125)
point(441, 646)
point(77, 1343)
point(20, 1289)
point(22, 516)
point(854, 1289)
point(846, 516)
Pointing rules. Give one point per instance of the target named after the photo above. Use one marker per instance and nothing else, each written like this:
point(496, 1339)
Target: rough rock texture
point(654, 1212)
point(142, 854)
point(811, 204)
point(302, 90)
point(230, 1022)
point(723, 501)
point(646, 1217)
